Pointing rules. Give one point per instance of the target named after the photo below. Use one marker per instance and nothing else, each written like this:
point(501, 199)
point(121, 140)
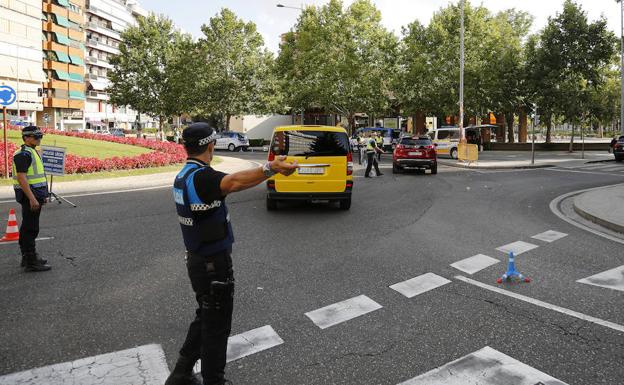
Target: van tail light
point(271, 156)
point(349, 164)
point(349, 184)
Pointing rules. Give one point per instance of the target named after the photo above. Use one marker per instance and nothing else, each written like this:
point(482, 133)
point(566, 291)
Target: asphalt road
point(119, 280)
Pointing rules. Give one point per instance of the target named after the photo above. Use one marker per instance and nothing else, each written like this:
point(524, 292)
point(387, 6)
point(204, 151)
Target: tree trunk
point(548, 120)
point(572, 140)
point(226, 124)
point(509, 117)
point(500, 131)
point(421, 122)
point(161, 123)
point(351, 123)
point(522, 127)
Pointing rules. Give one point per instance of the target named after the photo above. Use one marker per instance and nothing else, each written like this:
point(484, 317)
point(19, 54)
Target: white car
point(233, 141)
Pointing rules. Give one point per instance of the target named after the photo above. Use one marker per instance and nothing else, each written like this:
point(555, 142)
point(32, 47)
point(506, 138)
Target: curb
point(466, 166)
point(596, 219)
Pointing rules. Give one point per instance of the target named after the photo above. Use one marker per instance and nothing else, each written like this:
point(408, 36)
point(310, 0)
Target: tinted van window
point(310, 143)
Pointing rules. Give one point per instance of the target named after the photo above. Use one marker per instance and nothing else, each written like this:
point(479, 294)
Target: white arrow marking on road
point(485, 366)
point(549, 236)
point(248, 343)
point(517, 248)
point(144, 365)
point(611, 279)
point(475, 263)
point(342, 311)
point(418, 285)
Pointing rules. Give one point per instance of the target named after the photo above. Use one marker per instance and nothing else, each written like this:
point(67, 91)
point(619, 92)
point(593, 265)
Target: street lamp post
point(301, 9)
point(621, 66)
point(461, 74)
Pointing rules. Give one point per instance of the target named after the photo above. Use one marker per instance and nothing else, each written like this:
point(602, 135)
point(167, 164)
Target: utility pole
point(461, 75)
point(621, 66)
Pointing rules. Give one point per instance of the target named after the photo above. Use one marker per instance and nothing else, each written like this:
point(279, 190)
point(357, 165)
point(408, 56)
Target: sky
point(271, 21)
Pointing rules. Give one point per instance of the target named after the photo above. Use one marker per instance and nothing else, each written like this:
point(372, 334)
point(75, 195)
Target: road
point(119, 281)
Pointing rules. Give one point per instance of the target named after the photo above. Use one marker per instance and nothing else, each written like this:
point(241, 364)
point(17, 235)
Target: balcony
point(97, 95)
point(92, 43)
point(102, 29)
point(92, 60)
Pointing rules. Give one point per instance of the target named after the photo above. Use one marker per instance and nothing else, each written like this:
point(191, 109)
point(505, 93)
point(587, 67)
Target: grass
point(114, 174)
point(84, 147)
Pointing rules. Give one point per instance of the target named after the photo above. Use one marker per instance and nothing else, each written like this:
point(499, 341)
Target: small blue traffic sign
point(7, 95)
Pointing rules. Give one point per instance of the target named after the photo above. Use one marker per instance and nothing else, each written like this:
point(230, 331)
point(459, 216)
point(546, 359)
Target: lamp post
point(461, 75)
point(621, 66)
point(300, 9)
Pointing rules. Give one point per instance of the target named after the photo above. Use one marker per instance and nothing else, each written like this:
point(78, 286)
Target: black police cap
point(31, 131)
point(199, 134)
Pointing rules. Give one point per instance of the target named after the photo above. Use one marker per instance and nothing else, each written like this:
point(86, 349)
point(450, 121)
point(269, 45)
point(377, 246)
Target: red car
point(415, 153)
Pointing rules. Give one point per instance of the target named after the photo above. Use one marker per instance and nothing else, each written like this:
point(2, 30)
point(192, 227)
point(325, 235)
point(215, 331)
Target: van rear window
point(310, 143)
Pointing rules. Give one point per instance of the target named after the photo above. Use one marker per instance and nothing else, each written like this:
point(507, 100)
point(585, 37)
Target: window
point(76, 77)
point(312, 143)
point(415, 142)
point(76, 95)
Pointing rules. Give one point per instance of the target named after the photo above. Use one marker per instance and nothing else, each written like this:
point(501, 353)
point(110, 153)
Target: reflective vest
point(379, 141)
point(370, 145)
point(206, 227)
point(35, 174)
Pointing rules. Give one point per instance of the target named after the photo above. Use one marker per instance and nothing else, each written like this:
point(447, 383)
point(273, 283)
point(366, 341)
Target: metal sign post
point(7, 97)
point(53, 159)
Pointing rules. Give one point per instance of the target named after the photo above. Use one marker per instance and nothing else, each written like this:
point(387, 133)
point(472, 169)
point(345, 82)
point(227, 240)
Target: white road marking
point(485, 366)
point(418, 285)
point(517, 247)
point(611, 279)
point(248, 343)
point(342, 311)
point(546, 305)
point(611, 168)
point(549, 236)
point(554, 208)
point(38, 239)
point(144, 365)
point(580, 172)
point(475, 263)
point(107, 192)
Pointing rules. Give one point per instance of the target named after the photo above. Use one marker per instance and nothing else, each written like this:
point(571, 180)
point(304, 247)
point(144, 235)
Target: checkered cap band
point(208, 139)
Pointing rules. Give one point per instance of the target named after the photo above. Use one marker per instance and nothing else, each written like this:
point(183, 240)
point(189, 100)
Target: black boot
point(40, 261)
point(32, 263)
point(183, 373)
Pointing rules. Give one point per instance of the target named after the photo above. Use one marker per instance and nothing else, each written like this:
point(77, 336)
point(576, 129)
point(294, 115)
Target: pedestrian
point(31, 192)
point(379, 141)
point(612, 145)
point(199, 192)
point(371, 150)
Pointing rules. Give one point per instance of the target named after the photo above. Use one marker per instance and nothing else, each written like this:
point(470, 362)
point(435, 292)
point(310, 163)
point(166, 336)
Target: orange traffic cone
point(12, 232)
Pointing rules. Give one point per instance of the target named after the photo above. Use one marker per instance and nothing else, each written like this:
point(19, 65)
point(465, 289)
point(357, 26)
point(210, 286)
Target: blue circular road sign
point(7, 95)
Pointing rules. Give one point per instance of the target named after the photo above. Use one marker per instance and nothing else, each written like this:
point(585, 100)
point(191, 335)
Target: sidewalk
point(604, 206)
point(228, 165)
point(522, 159)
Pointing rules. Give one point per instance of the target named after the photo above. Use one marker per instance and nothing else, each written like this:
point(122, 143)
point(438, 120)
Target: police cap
point(32, 131)
point(198, 134)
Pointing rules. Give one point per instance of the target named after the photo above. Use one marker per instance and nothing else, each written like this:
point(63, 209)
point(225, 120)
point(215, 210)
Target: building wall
point(259, 126)
point(21, 54)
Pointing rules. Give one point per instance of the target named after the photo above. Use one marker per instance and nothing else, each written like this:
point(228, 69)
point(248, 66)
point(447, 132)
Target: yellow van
point(326, 165)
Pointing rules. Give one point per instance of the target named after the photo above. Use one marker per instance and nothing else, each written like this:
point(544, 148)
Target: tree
point(148, 74)
point(233, 71)
point(340, 60)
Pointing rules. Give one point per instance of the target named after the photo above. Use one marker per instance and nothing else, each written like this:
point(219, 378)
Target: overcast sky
point(272, 21)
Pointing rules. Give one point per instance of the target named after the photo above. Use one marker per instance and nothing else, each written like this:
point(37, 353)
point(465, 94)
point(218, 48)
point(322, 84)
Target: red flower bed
point(165, 153)
point(12, 148)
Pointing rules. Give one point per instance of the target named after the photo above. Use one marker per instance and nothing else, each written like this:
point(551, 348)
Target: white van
point(232, 141)
point(446, 140)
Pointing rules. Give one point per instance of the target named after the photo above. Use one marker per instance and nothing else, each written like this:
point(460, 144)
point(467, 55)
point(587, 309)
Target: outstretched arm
point(243, 180)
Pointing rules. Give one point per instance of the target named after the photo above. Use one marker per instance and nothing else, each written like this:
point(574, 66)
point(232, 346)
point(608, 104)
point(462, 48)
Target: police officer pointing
point(31, 191)
point(199, 192)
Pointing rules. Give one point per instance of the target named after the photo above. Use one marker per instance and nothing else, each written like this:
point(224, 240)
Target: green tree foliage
point(148, 72)
point(339, 59)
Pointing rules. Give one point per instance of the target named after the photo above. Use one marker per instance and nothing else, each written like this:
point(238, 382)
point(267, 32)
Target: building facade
point(21, 57)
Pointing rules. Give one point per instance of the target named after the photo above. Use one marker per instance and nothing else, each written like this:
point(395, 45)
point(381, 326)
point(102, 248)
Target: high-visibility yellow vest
point(379, 141)
point(369, 145)
point(35, 175)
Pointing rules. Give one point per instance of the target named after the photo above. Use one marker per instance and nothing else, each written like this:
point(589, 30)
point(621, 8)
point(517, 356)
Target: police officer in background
point(31, 192)
point(199, 192)
point(371, 150)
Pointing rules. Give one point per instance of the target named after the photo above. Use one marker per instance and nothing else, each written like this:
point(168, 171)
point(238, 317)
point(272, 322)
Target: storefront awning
point(76, 95)
point(61, 39)
point(62, 21)
point(76, 77)
point(62, 75)
point(77, 60)
point(64, 3)
point(62, 56)
point(97, 85)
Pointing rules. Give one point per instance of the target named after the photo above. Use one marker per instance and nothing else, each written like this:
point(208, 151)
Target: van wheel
point(345, 204)
point(434, 169)
point(271, 204)
point(454, 153)
point(231, 147)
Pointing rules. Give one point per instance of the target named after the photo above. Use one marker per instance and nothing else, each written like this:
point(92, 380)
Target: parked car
point(325, 170)
point(618, 149)
point(233, 141)
point(102, 131)
point(417, 152)
point(117, 132)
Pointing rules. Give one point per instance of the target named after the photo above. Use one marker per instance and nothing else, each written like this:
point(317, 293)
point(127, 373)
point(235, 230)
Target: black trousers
point(208, 334)
point(29, 230)
point(372, 160)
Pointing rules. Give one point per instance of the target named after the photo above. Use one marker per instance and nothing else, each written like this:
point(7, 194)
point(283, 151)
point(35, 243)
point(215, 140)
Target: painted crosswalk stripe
point(611, 279)
point(38, 239)
point(418, 285)
point(475, 263)
point(612, 168)
point(144, 365)
point(342, 311)
point(549, 236)
point(485, 366)
point(248, 343)
point(517, 247)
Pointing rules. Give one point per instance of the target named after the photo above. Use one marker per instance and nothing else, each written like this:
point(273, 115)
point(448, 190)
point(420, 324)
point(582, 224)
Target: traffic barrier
point(512, 272)
point(467, 152)
point(12, 232)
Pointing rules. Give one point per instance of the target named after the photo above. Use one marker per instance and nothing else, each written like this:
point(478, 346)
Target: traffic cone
point(512, 272)
point(12, 232)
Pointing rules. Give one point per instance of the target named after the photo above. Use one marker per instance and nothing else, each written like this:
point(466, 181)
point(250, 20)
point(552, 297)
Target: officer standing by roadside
point(371, 150)
point(31, 192)
point(379, 141)
point(199, 192)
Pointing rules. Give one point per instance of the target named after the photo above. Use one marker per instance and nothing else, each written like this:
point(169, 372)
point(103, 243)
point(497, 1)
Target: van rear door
point(322, 157)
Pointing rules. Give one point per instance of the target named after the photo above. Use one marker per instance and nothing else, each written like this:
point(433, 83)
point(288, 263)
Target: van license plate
point(311, 170)
point(415, 153)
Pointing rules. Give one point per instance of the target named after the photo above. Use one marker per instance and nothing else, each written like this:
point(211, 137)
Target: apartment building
point(21, 57)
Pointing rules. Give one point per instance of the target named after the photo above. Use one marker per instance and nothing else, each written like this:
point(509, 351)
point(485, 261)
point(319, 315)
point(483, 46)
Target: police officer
point(371, 150)
point(31, 192)
point(199, 192)
point(379, 142)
